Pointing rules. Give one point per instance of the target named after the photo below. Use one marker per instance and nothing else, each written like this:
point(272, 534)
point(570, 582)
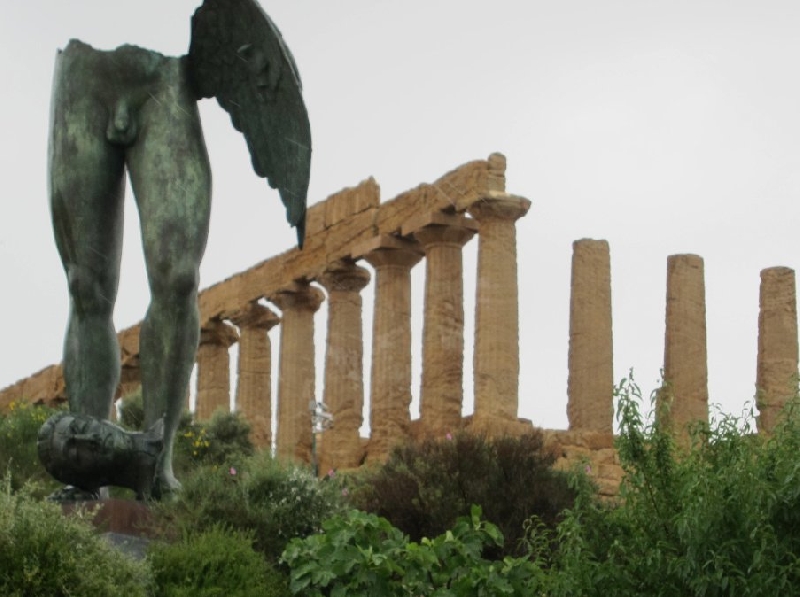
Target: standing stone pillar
point(254, 385)
point(776, 377)
point(684, 400)
point(340, 446)
point(296, 384)
point(443, 329)
point(590, 386)
point(214, 369)
point(390, 379)
point(496, 355)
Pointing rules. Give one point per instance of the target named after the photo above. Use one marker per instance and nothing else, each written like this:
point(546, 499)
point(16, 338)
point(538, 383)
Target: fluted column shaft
point(340, 446)
point(685, 354)
point(776, 377)
point(213, 369)
point(254, 385)
point(296, 384)
point(442, 389)
point(590, 386)
point(390, 379)
point(496, 354)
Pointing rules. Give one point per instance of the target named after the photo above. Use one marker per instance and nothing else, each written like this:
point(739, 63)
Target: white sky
point(664, 127)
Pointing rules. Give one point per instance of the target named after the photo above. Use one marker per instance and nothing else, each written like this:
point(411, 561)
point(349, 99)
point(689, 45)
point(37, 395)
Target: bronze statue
point(135, 109)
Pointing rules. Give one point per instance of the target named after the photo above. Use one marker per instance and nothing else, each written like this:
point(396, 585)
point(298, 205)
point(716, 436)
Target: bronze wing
point(238, 56)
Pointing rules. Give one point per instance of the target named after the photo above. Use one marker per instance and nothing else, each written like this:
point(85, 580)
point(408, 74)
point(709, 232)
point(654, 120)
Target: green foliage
point(224, 439)
point(275, 501)
point(131, 412)
point(46, 554)
point(214, 563)
point(425, 487)
point(19, 428)
point(720, 518)
point(363, 554)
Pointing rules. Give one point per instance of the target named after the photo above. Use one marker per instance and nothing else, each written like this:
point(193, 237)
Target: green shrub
point(19, 428)
point(46, 554)
point(425, 487)
point(214, 563)
point(720, 518)
point(131, 411)
point(224, 439)
point(276, 501)
point(363, 554)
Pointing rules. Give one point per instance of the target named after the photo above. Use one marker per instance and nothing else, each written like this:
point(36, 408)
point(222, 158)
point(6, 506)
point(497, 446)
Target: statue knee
point(90, 292)
point(180, 280)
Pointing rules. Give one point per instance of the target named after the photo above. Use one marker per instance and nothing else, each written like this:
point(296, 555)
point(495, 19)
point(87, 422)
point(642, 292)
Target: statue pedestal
point(124, 523)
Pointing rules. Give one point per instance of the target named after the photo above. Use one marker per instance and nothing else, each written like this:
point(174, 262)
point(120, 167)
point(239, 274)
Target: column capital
point(437, 235)
point(499, 206)
point(302, 297)
point(344, 276)
point(254, 315)
point(218, 332)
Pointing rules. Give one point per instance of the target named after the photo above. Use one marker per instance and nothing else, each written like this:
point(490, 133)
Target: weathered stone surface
point(340, 446)
point(590, 385)
point(685, 359)
point(390, 383)
point(443, 328)
point(296, 381)
point(496, 354)
point(776, 377)
point(348, 202)
point(254, 371)
point(213, 369)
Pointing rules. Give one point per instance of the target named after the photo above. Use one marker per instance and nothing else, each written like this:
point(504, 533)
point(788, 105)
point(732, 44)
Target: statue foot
point(165, 485)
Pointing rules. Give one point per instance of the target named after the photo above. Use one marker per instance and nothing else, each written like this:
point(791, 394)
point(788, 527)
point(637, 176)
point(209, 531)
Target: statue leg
point(171, 181)
point(86, 176)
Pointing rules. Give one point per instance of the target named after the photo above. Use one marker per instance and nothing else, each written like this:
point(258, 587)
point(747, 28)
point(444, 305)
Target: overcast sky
point(664, 127)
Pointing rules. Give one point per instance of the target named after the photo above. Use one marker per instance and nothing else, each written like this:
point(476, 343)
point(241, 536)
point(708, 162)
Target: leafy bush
point(46, 554)
point(214, 563)
point(718, 519)
point(224, 439)
point(276, 501)
point(363, 554)
point(425, 487)
point(19, 428)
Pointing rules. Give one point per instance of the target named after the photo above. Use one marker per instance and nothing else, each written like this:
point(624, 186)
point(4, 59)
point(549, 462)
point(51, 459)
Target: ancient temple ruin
point(431, 223)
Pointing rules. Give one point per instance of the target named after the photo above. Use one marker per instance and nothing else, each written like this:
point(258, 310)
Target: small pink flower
point(449, 436)
point(331, 473)
point(345, 492)
point(588, 469)
point(232, 471)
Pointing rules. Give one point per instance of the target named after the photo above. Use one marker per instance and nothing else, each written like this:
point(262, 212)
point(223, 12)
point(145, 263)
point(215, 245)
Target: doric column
point(496, 354)
point(685, 357)
point(590, 386)
point(776, 377)
point(254, 384)
point(390, 379)
point(443, 328)
point(296, 370)
point(340, 446)
point(214, 369)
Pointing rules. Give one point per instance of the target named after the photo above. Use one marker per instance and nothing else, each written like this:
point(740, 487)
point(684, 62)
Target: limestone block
point(590, 384)
point(315, 219)
point(254, 387)
point(685, 356)
point(296, 382)
point(344, 235)
point(350, 201)
point(443, 327)
point(496, 353)
point(344, 374)
point(213, 369)
point(460, 188)
point(776, 377)
point(391, 341)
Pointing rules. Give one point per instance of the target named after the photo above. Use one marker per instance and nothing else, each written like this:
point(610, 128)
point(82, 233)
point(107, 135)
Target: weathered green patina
point(136, 110)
